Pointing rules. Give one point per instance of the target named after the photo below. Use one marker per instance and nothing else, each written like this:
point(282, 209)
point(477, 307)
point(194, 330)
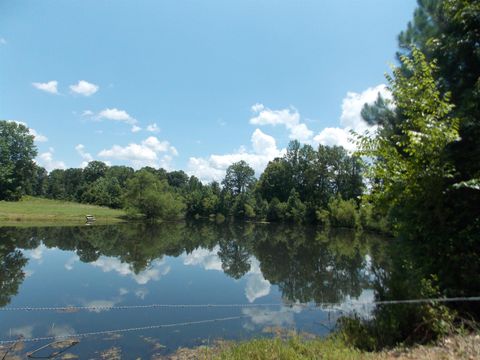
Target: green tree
point(94, 170)
point(17, 151)
point(152, 198)
point(275, 181)
point(239, 178)
point(105, 191)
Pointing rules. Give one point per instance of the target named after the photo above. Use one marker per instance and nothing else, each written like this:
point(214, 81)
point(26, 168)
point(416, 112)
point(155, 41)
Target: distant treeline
point(305, 185)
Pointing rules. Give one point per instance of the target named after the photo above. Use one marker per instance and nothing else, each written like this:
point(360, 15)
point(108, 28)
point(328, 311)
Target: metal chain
point(184, 306)
point(107, 332)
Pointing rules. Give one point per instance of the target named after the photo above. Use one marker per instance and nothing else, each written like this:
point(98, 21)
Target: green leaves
point(16, 159)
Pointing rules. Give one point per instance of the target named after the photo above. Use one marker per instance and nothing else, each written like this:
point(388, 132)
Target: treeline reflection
point(307, 263)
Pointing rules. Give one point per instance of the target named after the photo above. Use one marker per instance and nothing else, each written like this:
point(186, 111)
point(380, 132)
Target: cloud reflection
point(157, 270)
point(208, 259)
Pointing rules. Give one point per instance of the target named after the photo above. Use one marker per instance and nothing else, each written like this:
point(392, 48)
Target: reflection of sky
point(156, 270)
point(208, 259)
point(61, 279)
point(256, 285)
point(284, 317)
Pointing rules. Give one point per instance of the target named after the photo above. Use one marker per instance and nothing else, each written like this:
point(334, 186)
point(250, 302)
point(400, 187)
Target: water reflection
point(104, 266)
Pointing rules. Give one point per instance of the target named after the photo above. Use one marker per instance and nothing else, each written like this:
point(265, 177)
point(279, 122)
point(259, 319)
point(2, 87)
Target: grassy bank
point(452, 347)
point(43, 211)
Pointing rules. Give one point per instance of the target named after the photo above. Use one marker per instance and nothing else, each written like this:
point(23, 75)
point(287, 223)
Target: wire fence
point(321, 305)
point(117, 331)
point(310, 306)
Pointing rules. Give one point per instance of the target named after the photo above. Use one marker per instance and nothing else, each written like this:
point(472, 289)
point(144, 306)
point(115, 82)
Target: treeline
point(322, 185)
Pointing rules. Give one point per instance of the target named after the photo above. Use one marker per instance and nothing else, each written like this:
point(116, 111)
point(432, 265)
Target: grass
point(38, 211)
point(466, 346)
point(293, 348)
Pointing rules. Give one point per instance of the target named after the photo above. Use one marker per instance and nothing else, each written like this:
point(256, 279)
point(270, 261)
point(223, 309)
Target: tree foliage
point(16, 159)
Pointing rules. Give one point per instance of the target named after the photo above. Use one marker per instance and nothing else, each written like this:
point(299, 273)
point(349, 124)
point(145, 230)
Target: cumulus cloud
point(150, 152)
point(136, 128)
point(153, 128)
point(157, 270)
point(290, 118)
point(84, 88)
point(264, 149)
point(48, 162)
point(50, 87)
point(87, 157)
point(351, 119)
point(115, 114)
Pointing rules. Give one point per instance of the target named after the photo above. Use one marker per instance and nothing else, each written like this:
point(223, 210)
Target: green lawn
point(43, 211)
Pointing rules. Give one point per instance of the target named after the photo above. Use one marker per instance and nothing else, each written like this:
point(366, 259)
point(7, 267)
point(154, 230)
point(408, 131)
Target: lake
point(254, 280)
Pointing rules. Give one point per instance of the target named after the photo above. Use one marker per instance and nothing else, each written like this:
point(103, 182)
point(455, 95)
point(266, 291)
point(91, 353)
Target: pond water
point(266, 270)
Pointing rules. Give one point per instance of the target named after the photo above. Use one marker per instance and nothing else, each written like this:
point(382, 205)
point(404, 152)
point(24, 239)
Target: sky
point(192, 85)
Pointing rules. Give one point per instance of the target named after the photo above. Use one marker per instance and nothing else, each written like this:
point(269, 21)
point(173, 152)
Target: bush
point(343, 213)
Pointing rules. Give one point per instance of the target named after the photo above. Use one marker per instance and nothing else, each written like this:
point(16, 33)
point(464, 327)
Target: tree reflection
point(306, 263)
point(12, 262)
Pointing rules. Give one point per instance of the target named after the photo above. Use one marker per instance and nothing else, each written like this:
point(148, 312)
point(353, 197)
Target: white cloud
point(117, 115)
point(264, 149)
point(335, 136)
point(84, 88)
point(3, 41)
point(153, 128)
point(87, 113)
point(48, 162)
point(353, 103)
point(38, 137)
point(157, 269)
point(87, 157)
point(351, 118)
point(136, 129)
point(150, 152)
point(290, 118)
point(50, 87)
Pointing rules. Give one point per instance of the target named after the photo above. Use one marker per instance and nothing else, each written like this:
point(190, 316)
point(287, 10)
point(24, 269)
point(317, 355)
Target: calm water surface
point(200, 263)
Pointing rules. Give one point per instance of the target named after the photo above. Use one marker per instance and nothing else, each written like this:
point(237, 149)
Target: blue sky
point(192, 85)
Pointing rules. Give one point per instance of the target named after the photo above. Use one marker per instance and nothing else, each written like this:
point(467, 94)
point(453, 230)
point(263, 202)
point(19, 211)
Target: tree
point(276, 180)
point(411, 181)
point(239, 178)
point(152, 198)
point(105, 191)
point(94, 170)
point(17, 151)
